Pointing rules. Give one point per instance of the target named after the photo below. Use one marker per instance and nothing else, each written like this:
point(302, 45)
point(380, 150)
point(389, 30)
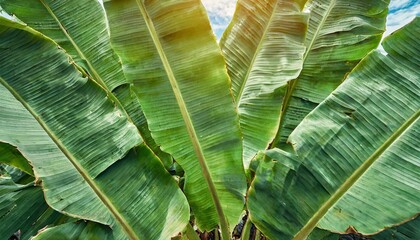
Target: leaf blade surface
point(79, 141)
point(263, 47)
point(357, 153)
point(339, 35)
point(178, 74)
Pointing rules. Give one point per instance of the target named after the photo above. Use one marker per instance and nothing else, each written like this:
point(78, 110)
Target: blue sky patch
point(401, 12)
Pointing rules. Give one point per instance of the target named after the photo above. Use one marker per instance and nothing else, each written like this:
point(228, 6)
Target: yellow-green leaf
point(170, 54)
point(357, 154)
point(263, 47)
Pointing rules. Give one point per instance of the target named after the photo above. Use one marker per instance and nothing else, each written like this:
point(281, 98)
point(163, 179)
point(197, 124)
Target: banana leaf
point(263, 47)
point(170, 55)
point(11, 156)
point(23, 209)
point(340, 33)
point(75, 231)
point(78, 141)
point(18, 176)
point(87, 41)
point(356, 155)
point(131, 105)
point(406, 231)
point(80, 28)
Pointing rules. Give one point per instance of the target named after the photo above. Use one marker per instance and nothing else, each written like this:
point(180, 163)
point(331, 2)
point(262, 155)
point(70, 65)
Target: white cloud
point(221, 11)
point(395, 4)
point(400, 15)
point(222, 8)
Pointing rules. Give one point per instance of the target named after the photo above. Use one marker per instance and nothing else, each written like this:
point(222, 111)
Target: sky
point(401, 12)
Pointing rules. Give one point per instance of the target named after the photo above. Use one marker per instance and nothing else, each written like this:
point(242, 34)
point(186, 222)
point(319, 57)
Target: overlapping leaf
point(77, 139)
point(263, 47)
point(131, 104)
point(406, 231)
point(77, 26)
point(75, 231)
point(171, 56)
point(340, 34)
point(11, 156)
point(23, 209)
point(80, 28)
point(357, 153)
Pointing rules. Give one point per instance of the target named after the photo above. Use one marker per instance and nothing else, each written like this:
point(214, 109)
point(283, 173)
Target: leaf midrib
point(95, 78)
point(184, 112)
point(257, 50)
point(78, 50)
point(321, 24)
point(73, 160)
point(292, 83)
point(357, 174)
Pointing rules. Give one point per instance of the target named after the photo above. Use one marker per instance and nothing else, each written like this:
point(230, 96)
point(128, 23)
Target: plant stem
point(246, 231)
point(216, 234)
point(190, 233)
point(257, 234)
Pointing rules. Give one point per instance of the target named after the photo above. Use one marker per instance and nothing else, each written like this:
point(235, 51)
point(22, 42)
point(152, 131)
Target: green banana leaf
point(80, 28)
point(11, 156)
point(356, 161)
point(76, 231)
point(18, 176)
point(79, 141)
point(22, 204)
point(23, 209)
point(406, 231)
point(170, 54)
point(131, 104)
point(87, 41)
point(263, 47)
point(340, 33)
